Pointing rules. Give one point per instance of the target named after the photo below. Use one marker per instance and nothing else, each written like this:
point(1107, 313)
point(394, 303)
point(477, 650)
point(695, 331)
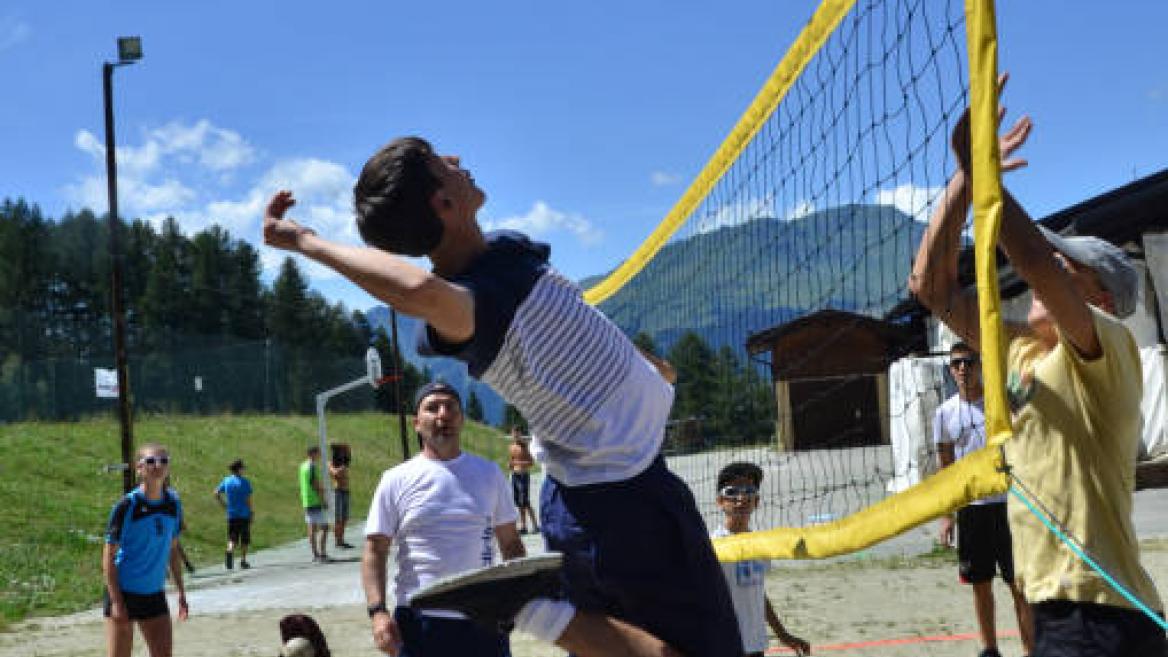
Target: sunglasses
point(154, 460)
point(958, 362)
point(738, 491)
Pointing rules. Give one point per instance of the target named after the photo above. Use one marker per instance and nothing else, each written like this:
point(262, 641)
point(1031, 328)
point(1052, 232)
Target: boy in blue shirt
point(237, 489)
point(140, 546)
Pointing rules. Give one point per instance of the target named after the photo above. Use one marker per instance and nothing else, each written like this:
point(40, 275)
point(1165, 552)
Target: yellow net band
point(975, 476)
point(982, 35)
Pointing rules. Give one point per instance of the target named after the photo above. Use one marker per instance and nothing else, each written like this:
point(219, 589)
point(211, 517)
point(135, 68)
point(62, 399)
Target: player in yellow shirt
point(1076, 388)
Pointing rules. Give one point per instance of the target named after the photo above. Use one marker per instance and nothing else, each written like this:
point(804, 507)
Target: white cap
point(298, 646)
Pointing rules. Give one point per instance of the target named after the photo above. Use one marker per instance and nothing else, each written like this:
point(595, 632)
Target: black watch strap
point(376, 609)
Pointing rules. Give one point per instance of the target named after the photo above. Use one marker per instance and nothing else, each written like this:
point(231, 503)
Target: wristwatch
point(376, 609)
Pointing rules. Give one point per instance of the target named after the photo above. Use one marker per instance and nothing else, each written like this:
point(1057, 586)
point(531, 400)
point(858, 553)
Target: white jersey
point(747, 583)
point(597, 409)
point(442, 515)
point(962, 423)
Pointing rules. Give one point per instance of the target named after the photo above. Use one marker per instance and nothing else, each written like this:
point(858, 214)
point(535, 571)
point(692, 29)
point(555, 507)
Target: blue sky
point(583, 121)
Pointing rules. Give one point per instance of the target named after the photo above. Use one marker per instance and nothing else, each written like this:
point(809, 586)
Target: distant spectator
point(312, 499)
point(983, 532)
point(237, 490)
point(339, 470)
point(521, 463)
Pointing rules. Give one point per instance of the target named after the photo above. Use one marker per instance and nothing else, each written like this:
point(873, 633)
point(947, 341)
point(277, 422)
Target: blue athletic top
point(143, 531)
point(597, 409)
point(237, 489)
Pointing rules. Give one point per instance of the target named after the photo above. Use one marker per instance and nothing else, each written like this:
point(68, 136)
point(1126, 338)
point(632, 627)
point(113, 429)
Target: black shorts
point(1069, 629)
point(138, 606)
point(638, 550)
point(521, 488)
point(983, 543)
point(239, 530)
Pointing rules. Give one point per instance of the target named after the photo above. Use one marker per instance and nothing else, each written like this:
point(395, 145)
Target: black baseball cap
point(435, 387)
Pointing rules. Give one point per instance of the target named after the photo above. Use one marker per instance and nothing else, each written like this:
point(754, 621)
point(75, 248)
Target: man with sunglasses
point(983, 533)
point(1075, 385)
point(738, 497)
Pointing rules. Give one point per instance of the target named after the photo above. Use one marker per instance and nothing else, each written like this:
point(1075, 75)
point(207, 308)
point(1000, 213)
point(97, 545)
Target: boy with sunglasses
point(738, 497)
point(983, 533)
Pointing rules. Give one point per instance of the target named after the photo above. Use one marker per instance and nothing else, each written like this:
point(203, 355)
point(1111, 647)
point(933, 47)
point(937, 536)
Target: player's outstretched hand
point(280, 232)
point(1008, 143)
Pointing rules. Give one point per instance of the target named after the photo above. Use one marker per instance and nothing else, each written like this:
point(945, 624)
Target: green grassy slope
point(55, 497)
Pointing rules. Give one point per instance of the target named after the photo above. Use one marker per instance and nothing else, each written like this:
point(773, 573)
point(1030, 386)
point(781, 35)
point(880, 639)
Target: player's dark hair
point(738, 470)
point(302, 625)
point(392, 199)
point(961, 347)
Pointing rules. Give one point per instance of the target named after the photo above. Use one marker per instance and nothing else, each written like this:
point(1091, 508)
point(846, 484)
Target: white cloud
point(735, 214)
point(148, 182)
point(214, 149)
point(13, 32)
point(916, 202)
point(542, 220)
point(799, 210)
point(664, 179)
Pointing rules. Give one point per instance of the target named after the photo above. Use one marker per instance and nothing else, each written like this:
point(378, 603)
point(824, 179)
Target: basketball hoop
point(389, 378)
point(373, 366)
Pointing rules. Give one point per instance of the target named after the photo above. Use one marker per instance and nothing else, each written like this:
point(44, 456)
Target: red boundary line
point(892, 642)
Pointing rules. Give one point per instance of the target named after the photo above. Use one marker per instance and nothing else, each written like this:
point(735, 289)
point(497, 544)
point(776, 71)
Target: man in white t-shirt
point(445, 508)
point(983, 533)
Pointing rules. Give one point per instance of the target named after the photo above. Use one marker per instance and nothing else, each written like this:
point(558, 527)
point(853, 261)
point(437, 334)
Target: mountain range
point(728, 283)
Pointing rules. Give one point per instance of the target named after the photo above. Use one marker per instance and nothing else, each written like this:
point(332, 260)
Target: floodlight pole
point(117, 310)
point(397, 387)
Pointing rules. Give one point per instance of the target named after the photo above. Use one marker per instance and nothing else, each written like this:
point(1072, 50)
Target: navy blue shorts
point(637, 550)
point(431, 636)
point(1070, 629)
point(521, 488)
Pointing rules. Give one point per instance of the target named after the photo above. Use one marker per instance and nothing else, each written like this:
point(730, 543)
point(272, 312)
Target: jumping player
point(639, 575)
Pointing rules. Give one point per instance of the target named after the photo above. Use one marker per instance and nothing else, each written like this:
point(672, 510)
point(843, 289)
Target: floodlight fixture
point(129, 49)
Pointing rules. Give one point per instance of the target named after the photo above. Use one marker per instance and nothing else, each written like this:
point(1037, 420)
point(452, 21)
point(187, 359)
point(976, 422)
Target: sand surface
point(874, 604)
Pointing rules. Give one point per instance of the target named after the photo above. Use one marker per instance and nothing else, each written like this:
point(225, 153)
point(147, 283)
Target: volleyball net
point(777, 285)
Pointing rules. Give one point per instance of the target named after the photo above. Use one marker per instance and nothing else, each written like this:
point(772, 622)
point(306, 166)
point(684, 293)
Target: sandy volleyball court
point(873, 606)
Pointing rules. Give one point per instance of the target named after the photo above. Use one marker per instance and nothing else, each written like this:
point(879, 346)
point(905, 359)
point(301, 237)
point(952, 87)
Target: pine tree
point(474, 407)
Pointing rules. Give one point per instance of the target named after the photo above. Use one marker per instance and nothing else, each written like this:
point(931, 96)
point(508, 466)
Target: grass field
point(55, 497)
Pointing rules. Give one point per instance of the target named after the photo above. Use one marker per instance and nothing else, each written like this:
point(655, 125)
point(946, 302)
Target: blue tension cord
point(1090, 562)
